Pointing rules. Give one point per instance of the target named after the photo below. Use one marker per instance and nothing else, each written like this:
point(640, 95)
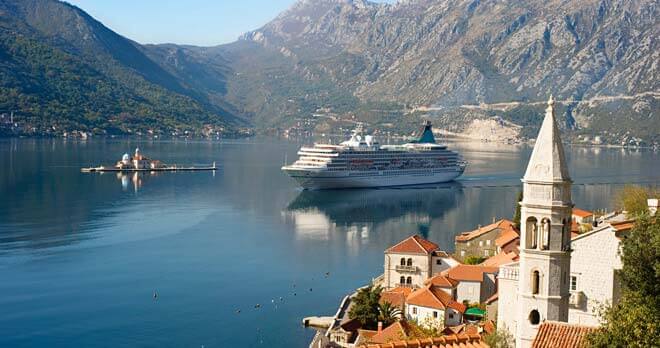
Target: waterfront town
point(538, 281)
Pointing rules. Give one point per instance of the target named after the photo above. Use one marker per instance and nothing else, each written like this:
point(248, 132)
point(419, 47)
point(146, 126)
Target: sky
point(193, 22)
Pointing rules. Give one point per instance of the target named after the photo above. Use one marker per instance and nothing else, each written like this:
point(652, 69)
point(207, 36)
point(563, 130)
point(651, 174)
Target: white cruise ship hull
point(319, 180)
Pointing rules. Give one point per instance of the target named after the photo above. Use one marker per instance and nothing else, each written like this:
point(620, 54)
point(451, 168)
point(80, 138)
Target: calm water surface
point(81, 255)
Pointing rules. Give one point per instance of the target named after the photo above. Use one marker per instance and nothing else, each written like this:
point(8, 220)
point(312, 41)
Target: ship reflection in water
point(367, 215)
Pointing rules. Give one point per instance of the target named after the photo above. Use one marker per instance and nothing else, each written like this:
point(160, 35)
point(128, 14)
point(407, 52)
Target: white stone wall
point(424, 316)
point(393, 276)
point(593, 261)
point(507, 306)
point(445, 264)
point(470, 291)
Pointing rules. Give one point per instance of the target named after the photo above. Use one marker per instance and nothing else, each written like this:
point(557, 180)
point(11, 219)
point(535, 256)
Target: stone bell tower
point(543, 286)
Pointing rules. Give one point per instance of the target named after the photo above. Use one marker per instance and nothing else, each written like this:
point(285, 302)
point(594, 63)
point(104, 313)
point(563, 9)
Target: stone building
point(433, 308)
point(475, 283)
point(595, 263)
point(482, 242)
point(536, 288)
point(413, 260)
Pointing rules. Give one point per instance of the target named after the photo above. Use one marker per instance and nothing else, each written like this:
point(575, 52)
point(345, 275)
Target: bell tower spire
point(543, 288)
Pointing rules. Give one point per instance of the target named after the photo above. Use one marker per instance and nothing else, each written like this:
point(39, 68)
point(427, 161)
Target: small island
point(141, 163)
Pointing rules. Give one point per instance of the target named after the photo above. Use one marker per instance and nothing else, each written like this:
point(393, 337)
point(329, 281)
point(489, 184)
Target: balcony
point(411, 269)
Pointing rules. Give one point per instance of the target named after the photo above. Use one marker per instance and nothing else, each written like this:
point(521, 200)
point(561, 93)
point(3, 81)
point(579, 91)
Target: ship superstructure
point(363, 162)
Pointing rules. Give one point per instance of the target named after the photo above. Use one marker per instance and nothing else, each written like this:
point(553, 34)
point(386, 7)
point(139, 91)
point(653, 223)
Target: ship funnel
point(427, 134)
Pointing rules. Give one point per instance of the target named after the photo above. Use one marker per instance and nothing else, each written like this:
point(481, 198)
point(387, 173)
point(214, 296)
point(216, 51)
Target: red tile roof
point(396, 296)
point(500, 259)
point(554, 334)
point(621, 226)
point(581, 213)
point(489, 327)
point(432, 297)
point(472, 273)
point(506, 237)
point(413, 245)
point(502, 224)
point(449, 341)
point(395, 332)
point(441, 281)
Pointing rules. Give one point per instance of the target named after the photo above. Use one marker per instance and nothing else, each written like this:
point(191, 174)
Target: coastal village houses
point(412, 261)
point(543, 283)
point(486, 241)
point(475, 283)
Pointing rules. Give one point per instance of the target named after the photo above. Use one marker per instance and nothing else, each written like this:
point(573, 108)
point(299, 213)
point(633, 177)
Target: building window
point(481, 243)
point(451, 315)
point(462, 253)
point(403, 261)
point(488, 242)
point(409, 262)
point(438, 262)
point(534, 317)
point(435, 314)
point(402, 280)
point(573, 283)
point(409, 280)
point(486, 252)
point(535, 282)
point(414, 310)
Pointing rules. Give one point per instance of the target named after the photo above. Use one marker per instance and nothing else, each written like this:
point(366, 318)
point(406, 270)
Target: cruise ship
point(361, 162)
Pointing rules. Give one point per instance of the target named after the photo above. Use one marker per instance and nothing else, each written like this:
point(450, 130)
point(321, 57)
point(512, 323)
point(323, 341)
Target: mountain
point(61, 70)
point(380, 62)
point(450, 53)
point(473, 67)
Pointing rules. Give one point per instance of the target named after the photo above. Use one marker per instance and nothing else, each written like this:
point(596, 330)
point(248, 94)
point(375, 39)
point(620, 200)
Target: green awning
point(475, 311)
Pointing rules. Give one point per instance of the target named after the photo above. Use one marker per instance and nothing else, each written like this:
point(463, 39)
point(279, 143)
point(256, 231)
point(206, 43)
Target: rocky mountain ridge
point(323, 64)
point(450, 53)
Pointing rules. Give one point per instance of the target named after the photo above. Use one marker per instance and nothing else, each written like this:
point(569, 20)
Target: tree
point(499, 339)
point(516, 214)
point(633, 199)
point(474, 260)
point(366, 308)
point(388, 313)
point(635, 320)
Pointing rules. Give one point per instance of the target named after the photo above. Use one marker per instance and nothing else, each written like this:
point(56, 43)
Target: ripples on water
point(82, 254)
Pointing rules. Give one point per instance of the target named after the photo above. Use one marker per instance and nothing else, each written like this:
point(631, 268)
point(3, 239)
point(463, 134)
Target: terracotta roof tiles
point(413, 245)
point(449, 341)
point(500, 259)
point(441, 281)
point(502, 224)
point(472, 273)
point(581, 213)
point(554, 334)
point(432, 297)
point(506, 237)
point(396, 332)
point(396, 296)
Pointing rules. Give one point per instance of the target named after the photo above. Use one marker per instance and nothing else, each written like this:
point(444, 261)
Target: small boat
point(140, 163)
